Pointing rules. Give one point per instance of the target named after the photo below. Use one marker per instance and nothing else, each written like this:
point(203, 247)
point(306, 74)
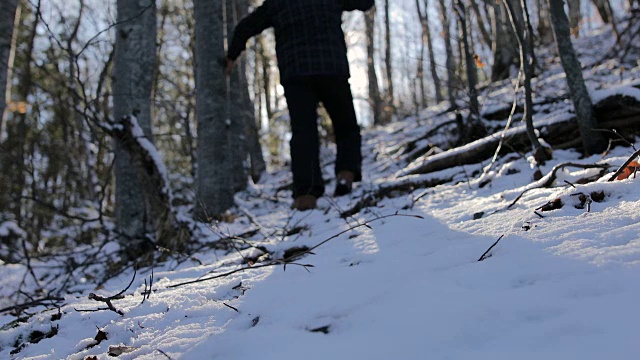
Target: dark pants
point(303, 96)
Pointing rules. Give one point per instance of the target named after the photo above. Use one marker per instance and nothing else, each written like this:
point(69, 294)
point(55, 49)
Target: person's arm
point(253, 24)
point(350, 5)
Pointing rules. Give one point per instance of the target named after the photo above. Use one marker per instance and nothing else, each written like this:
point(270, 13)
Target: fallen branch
point(624, 166)
point(486, 254)
point(617, 111)
point(107, 300)
point(33, 303)
point(547, 180)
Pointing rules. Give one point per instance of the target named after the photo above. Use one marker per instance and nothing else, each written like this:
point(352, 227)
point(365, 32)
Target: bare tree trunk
point(248, 136)
point(238, 110)
point(474, 128)
point(375, 100)
point(432, 60)
point(421, 100)
point(265, 60)
point(472, 76)
point(607, 15)
point(504, 46)
point(517, 16)
point(8, 20)
point(214, 182)
point(168, 230)
point(592, 140)
point(574, 16)
point(387, 58)
point(9, 17)
point(13, 151)
point(133, 74)
point(544, 23)
point(450, 62)
point(604, 9)
point(486, 36)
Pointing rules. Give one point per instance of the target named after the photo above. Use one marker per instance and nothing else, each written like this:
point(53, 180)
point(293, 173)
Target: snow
point(9, 227)
point(402, 281)
point(628, 91)
point(405, 288)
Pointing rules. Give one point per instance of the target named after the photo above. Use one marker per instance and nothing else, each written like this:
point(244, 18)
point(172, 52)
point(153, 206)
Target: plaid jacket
point(309, 37)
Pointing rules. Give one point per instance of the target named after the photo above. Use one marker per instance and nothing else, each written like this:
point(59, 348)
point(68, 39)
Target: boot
point(304, 202)
point(344, 183)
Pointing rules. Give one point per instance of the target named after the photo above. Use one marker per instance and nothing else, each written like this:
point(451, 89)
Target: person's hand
point(228, 66)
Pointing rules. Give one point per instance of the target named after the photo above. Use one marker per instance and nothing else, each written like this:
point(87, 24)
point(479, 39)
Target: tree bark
point(388, 60)
point(473, 128)
point(8, 21)
point(504, 46)
point(604, 10)
point(9, 17)
point(238, 107)
point(214, 183)
point(450, 61)
point(593, 140)
point(421, 99)
point(544, 23)
point(523, 33)
point(486, 36)
point(432, 60)
point(133, 74)
point(248, 136)
point(13, 149)
point(169, 232)
point(472, 76)
point(574, 16)
point(375, 100)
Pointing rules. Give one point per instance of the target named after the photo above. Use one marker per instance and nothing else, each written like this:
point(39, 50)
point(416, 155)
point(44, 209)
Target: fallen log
point(618, 111)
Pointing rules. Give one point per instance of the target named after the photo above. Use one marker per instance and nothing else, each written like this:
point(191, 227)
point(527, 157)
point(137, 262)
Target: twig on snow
point(107, 300)
point(624, 166)
point(486, 254)
point(548, 179)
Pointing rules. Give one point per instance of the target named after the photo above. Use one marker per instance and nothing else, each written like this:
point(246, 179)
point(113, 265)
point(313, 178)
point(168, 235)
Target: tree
point(13, 153)
point(245, 139)
point(450, 61)
point(8, 12)
point(8, 19)
point(238, 106)
point(428, 40)
point(388, 60)
point(592, 140)
point(544, 23)
point(519, 16)
point(375, 100)
point(133, 74)
point(504, 45)
point(575, 16)
point(473, 129)
point(214, 180)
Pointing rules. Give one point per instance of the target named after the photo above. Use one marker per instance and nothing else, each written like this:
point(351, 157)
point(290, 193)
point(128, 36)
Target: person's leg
point(305, 163)
point(335, 95)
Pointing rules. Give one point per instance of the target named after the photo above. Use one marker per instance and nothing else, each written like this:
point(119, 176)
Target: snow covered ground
point(402, 281)
point(562, 286)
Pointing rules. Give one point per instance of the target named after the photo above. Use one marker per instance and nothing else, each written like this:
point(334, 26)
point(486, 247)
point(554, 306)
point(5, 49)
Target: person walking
point(312, 59)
